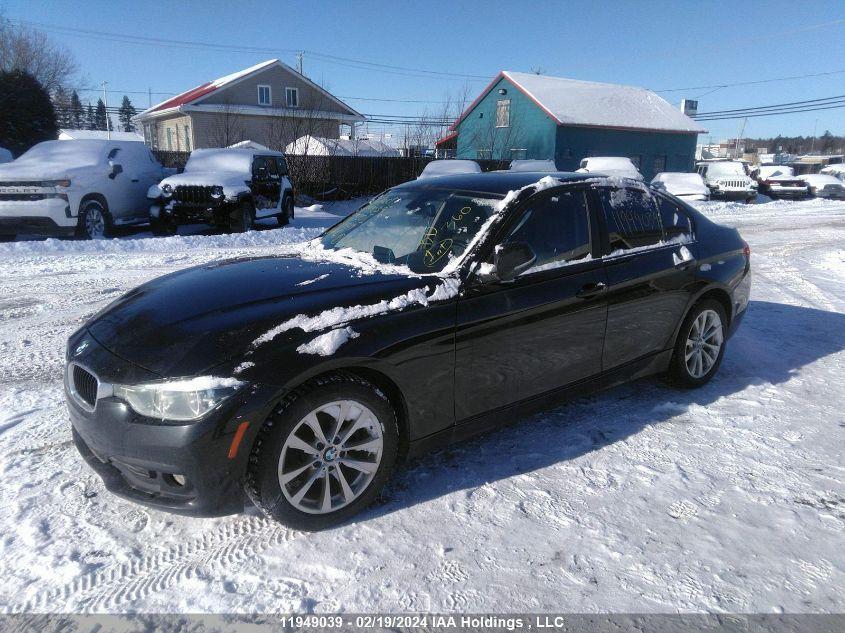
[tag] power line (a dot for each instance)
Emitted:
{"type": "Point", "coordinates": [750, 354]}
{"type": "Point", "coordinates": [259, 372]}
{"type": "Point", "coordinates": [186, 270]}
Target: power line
{"type": "Point", "coordinates": [750, 83]}
{"type": "Point", "coordinates": [777, 112]}
{"type": "Point", "coordinates": [776, 105]}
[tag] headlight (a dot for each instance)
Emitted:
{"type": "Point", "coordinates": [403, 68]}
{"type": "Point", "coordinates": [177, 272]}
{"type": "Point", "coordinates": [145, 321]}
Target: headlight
{"type": "Point", "coordinates": [56, 183]}
{"type": "Point", "coordinates": [217, 191]}
{"type": "Point", "coordinates": [179, 400]}
{"type": "Point", "coordinates": [166, 190]}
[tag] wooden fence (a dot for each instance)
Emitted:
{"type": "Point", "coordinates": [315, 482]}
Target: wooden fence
{"type": "Point", "coordinates": [339, 177]}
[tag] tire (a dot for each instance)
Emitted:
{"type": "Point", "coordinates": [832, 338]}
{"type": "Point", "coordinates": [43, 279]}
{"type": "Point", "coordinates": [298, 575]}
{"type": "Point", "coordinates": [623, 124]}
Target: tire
{"type": "Point", "coordinates": [277, 449]}
{"type": "Point", "coordinates": [686, 372]}
{"type": "Point", "coordinates": [163, 227]}
{"type": "Point", "coordinates": [287, 211]}
{"type": "Point", "coordinates": [242, 217]}
{"type": "Point", "coordinates": [94, 221]}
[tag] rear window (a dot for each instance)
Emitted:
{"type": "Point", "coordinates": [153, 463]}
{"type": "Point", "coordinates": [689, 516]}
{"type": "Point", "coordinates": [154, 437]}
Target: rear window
{"type": "Point", "coordinates": [631, 218]}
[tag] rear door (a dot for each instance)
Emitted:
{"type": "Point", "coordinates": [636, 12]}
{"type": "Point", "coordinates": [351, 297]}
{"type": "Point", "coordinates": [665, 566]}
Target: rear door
{"type": "Point", "coordinates": [544, 329]}
{"type": "Point", "coordinates": [650, 273]}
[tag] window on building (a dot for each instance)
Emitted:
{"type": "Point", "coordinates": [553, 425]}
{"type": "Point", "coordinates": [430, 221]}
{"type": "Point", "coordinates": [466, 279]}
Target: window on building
{"type": "Point", "coordinates": [169, 139]}
{"type": "Point", "coordinates": [264, 96]}
{"type": "Point", "coordinates": [187, 138]}
{"type": "Point", "coordinates": [631, 217]}
{"type": "Point", "coordinates": [503, 113]}
{"type": "Point", "coordinates": [659, 164]}
{"type": "Point", "coordinates": [292, 97]}
{"type": "Point", "coordinates": [675, 221]}
{"type": "Point", "coordinates": [518, 153]}
{"type": "Point", "coordinates": [557, 228]}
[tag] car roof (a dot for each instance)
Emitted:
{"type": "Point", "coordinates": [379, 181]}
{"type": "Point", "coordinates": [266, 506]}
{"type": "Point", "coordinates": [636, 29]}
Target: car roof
{"type": "Point", "coordinates": [495, 182]}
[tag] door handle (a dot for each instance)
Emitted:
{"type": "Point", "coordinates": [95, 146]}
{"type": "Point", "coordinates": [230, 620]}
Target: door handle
{"type": "Point", "coordinates": [135, 180]}
{"type": "Point", "coordinates": [591, 290]}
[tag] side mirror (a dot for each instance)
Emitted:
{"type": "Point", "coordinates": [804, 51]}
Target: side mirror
{"type": "Point", "coordinates": [513, 259]}
{"type": "Point", "coordinates": [116, 169]}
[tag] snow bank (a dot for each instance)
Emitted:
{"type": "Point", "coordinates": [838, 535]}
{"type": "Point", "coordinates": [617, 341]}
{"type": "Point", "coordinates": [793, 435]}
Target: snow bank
{"type": "Point", "coordinates": [449, 167]}
{"type": "Point", "coordinates": [328, 343]}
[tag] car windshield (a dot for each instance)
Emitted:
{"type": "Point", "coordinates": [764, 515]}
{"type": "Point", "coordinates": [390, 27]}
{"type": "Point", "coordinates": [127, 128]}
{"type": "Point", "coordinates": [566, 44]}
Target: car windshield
{"type": "Point", "coordinates": [421, 228]}
{"type": "Point", "coordinates": [726, 169]}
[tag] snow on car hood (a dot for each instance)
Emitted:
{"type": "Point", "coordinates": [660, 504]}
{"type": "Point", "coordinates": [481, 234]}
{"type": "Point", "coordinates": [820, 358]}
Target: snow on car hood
{"type": "Point", "coordinates": [233, 183]}
{"type": "Point", "coordinates": [680, 184]}
{"type": "Point", "coordinates": [185, 322]}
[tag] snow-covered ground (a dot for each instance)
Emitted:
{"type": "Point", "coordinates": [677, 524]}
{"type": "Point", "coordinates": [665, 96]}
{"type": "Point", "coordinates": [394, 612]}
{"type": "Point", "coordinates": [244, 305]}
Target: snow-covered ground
{"type": "Point", "coordinates": [643, 498]}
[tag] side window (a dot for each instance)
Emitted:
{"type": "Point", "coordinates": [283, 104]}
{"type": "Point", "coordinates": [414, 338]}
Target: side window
{"type": "Point", "coordinates": [675, 221]}
{"type": "Point", "coordinates": [283, 166]}
{"type": "Point", "coordinates": [259, 168]}
{"type": "Point", "coordinates": [113, 153]}
{"type": "Point", "coordinates": [631, 218]}
{"type": "Point", "coordinates": [273, 166]}
{"type": "Point", "coordinates": [557, 228]}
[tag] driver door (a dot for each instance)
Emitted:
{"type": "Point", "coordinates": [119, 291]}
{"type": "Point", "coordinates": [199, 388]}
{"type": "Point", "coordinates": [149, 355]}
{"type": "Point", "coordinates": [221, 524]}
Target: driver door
{"type": "Point", "coordinates": [543, 330]}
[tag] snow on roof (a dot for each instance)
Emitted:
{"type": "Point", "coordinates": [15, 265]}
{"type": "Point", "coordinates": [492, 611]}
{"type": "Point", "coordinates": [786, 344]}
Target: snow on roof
{"type": "Point", "coordinates": [533, 165]}
{"type": "Point", "coordinates": [593, 104]}
{"type": "Point", "coordinates": [449, 167]}
{"type": "Point", "coordinates": [249, 145]}
{"type": "Point", "coordinates": [98, 135]}
{"type": "Point", "coordinates": [319, 146]}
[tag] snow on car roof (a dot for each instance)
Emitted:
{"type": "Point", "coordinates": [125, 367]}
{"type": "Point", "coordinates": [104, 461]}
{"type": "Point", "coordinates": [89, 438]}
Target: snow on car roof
{"type": "Point", "coordinates": [818, 180]}
{"type": "Point", "coordinates": [54, 158]}
{"type": "Point", "coordinates": [533, 165]}
{"type": "Point", "coordinates": [224, 160]}
{"type": "Point", "coordinates": [574, 102]}
{"type": "Point", "coordinates": [449, 167]}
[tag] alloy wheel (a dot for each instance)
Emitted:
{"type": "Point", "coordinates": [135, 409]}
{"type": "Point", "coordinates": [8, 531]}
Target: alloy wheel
{"type": "Point", "coordinates": [330, 457]}
{"type": "Point", "coordinates": [704, 342]}
{"type": "Point", "coordinates": [95, 221]}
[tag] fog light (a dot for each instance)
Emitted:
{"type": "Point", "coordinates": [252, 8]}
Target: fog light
{"type": "Point", "coordinates": [180, 479]}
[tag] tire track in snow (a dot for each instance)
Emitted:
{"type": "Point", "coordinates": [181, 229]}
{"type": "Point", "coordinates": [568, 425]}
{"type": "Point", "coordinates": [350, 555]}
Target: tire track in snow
{"type": "Point", "coordinates": [230, 544]}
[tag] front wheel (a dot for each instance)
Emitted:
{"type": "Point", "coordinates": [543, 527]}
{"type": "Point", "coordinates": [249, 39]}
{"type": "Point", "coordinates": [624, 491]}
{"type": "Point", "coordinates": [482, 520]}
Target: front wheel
{"type": "Point", "coordinates": [700, 345]}
{"type": "Point", "coordinates": [94, 221]}
{"type": "Point", "coordinates": [242, 218]}
{"type": "Point", "coordinates": [163, 226]}
{"type": "Point", "coordinates": [324, 454]}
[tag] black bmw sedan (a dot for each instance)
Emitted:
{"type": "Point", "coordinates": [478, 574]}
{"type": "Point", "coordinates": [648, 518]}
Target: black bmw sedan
{"type": "Point", "coordinates": [441, 309]}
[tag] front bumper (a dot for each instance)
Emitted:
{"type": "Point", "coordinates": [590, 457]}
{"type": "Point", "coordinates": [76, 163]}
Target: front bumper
{"type": "Point", "coordinates": [184, 213]}
{"type": "Point", "coordinates": [50, 216]}
{"type": "Point", "coordinates": [137, 458]}
{"type": "Point", "coordinates": [733, 194]}
{"type": "Point", "coordinates": [787, 192]}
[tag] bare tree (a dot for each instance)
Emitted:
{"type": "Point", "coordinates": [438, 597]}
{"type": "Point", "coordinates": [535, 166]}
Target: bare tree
{"type": "Point", "coordinates": [30, 50]}
{"type": "Point", "coordinates": [499, 135]}
{"type": "Point", "coordinates": [227, 127]}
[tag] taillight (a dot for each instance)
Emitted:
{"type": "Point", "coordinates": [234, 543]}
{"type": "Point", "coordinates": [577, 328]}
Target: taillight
{"type": "Point", "coordinates": [746, 249]}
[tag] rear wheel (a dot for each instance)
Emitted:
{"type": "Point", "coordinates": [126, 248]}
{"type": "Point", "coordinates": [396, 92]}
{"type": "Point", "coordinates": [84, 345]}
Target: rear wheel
{"type": "Point", "coordinates": [287, 211]}
{"type": "Point", "coordinates": [242, 218]}
{"type": "Point", "coordinates": [324, 454]}
{"type": "Point", "coordinates": [94, 221]}
{"type": "Point", "coordinates": [700, 345]}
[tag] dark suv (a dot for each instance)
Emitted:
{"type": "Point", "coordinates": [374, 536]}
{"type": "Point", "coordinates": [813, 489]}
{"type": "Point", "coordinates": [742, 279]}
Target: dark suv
{"type": "Point", "coordinates": [442, 308]}
{"type": "Point", "coordinates": [229, 188]}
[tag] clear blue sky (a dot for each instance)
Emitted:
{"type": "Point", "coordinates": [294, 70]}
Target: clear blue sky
{"type": "Point", "coordinates": [658, 45]}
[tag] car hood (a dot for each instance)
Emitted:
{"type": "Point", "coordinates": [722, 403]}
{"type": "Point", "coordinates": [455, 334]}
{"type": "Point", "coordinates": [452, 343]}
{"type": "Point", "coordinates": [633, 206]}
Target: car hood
{"type": "Point", "coordinates": [186, 322]}
{"type": "Point", "coordinates": [223, 178]}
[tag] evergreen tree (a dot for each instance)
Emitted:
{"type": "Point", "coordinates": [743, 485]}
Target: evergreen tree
{"type": "Point", "coordinates": [77, 114]}
{"type": "Point", "coordinates": [61, 104]}
{"type": "Point", "coordinates": [125, 114]}
{"type": "Point", "coordinates": [27, 116]}
{"type": "Point", "coordinates": [89, 117]}
{"type": "Point", "coordinates": [100, 116]}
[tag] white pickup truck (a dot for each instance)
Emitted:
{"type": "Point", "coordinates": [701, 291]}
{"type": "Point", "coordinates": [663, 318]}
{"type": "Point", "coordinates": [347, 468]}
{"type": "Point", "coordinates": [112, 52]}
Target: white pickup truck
{"type": "Point", "coordinates": [82, 188]}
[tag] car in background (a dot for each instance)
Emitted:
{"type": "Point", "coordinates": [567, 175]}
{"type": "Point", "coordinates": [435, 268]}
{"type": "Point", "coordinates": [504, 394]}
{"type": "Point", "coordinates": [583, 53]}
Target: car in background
{"type": "Point", "coordinates": [448, 167]}
{"type": "Point", "coordinates": [728, 179]}
{"type": "Point", "coordinates": [824, 186]}
{"type": "Point", "coordinates": [84, 187]}
{"type": "Point", "coordinates": [228, 188]}
{"type": "Point", "coordinates": [837, 171]}
{"type": "Point", "coordinates": [535, 165]}
{"type": "Point", "coordinates": [297, 382]}
{"type": "Point", "coordinates": [5, 155]}
{"type": "Point", "coordinates": [611, 166]}
{"type": "Point", "coordinates": [682, 185]}
{"type": "Point", "coordinates": [779, 181]}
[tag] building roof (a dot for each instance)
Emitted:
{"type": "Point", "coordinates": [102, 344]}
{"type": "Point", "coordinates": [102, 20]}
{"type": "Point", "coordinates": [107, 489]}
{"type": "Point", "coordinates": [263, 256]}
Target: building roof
{"type": "Point", "coordinates": [98, 135]}
{"type": "Point", "coordinates": [320, 146]}
{"type": "Point", "coordinates": [593, 104]}
{"type": "Point", "coordinates": [198, 93]}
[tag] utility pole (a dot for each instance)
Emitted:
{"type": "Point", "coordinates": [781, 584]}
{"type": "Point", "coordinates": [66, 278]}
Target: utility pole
{"type": "Point", "coordinates": [106, 102]}
{"type": "Point", "coordinates": [815, 128]}
{"type": "Point", "coordinates": [299, 60]}
{"type": "Point", "coordinates": [741, 130]}
{"type": "Point", "coordinates": [150, 97]}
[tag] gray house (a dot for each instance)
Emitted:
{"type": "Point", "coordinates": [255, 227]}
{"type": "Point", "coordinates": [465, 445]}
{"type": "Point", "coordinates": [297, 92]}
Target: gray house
{"type": "Point", "coordinates": [269, 103]}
